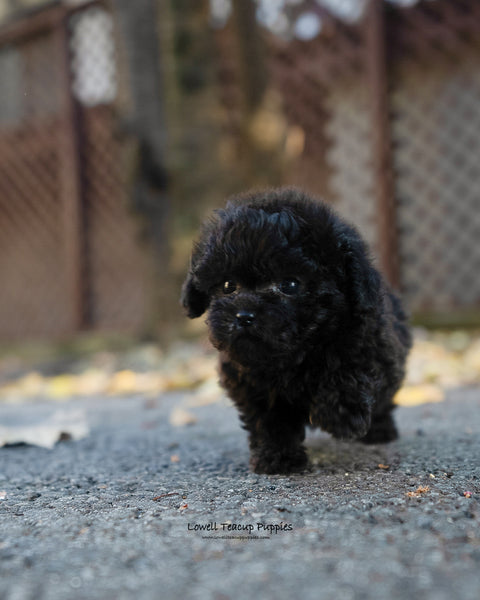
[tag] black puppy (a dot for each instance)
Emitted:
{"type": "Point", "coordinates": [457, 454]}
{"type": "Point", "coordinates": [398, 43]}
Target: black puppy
{"type": "Point", "coordinates": [308, 331]}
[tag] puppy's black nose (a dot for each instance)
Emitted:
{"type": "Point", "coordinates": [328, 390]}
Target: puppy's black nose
{"type": "Point", "coordinates": [245, 318]}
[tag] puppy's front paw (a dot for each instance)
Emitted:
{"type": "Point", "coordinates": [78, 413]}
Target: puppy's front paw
{"type": "Point", "coordinates": [271, 463]}
{"type": "Point", "coordinates": [382, 430]}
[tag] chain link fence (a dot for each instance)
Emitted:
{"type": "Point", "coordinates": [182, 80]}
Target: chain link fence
{"type": "Point", "coordinates": [378, 112]}
{"type": "Point", "coordinates": [389, 107]}
{"type": "Point", "coordinates": [435, 103]}
{"type": "Point", "coordinates": [69, 257]}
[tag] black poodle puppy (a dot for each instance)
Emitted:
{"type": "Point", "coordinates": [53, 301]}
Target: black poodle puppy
{"type": "Point", "coordinates": [308, 331]}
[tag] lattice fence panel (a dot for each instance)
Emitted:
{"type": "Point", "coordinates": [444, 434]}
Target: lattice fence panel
{"type": "Point", "coordinates": [115, 263]}
{"type": "Point", "coordinates": [436, 124]}
{"type": "Point", "coordinates": [325, 92]}
{"type": "Point", "coordinates": [33, 299]}
{"type": "Point", "coordinates": [350, 157]}
{"type": "Point", "coordinates": [69, 252]}
{"type": "Point", "coordinates": [422, 95]}
{"type": "Point", "coordinates": [300, 88]}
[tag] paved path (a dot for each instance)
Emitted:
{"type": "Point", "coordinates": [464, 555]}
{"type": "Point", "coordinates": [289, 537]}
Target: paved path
{"type": "Point", "coordinates": [141, 509]}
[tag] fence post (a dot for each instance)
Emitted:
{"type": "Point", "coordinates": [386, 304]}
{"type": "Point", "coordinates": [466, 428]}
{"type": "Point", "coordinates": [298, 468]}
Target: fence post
{"type": "Point", "coordinates": [70, 185]}
{"type": "Point", "coordinates": [377, 74]}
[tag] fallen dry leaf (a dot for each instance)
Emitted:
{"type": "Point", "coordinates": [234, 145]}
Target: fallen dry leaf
{"type": "Point", "coordinates": [32, 384]}
{"type": "Point", "coordinates": [157, 498]}
{"type": "Point", "coordinates": [422, 489]}
{"type": "Point", "coordinates": [179, 417]}
{"type": "Point", "coordinates": [91, 382]}
{"type": "Point", "coordinates": [62, 424]}
{"type": "Point", "coordinates": [61, 386]}
{"type": "Point", "coordinates": [123, 382]}
{"type": "Point", "coordinates": [413, 395]}
{"type": "Point", "coordinates": [209, 392]}
{"type": "Point", "coordinates": [182, 380]}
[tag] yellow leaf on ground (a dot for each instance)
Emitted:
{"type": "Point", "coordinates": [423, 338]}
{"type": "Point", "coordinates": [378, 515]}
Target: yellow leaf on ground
{"type": "Point", "coordinates": [32, 384]}
{"type": "Point", "coordinates": [422, 489]}
{"type": "Point", "coordinates": [92, 382]}
{"type": "Point", "coordinates": [61, 386]}
{"type": "Point", "coordinates": [179, 417]}
{"type": "Point", "coordinates": [179, 381]}
{"type": "Point", "coordinates": [123, 382]}
{"type": "Point", "coordinates": [150, 383]}
{"type": "Point", "coordinates": [208, 392]}
{"type": "Point", "coordinates": [414, 395]}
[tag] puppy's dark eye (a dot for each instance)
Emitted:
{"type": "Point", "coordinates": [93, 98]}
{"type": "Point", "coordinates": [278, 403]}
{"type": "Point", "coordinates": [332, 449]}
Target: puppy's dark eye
{"type": "Point", "coordinates": [229, 287]}
{"type": "Point", "coordinates": [290, 287]}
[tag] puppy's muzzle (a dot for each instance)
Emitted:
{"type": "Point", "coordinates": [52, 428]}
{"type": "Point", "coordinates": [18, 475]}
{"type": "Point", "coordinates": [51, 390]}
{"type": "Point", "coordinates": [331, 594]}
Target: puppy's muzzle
{"type": "Point", "coordinates": [245, 318]}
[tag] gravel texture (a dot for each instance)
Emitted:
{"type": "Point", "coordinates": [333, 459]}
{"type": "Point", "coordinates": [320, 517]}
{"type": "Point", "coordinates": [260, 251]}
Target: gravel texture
{"type": "Point", "coordinates": [142, 508]}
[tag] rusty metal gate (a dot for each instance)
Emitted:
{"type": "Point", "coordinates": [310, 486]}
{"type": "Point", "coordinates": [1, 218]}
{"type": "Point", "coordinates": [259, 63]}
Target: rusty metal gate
{"type": "Point", "coordinates": [69, 259]}
{"type": "Point", "coordinates": [389, 105]}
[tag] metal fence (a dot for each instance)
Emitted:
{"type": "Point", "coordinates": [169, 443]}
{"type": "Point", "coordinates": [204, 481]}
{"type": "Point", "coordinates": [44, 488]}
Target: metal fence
{"type": "Point", "coordinates": [389, 106]}
{"type": "Point", "coordinates": [386, 110]}
{"type": "Point", "coordinates": [68, 253]}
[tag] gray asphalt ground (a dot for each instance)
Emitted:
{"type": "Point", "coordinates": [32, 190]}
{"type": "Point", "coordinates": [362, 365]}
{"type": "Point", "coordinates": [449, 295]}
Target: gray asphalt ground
{"type": "Point", "coordinates": [120, 513]}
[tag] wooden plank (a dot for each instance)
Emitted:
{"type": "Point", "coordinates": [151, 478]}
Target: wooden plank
{"type": "Point", "coordinates": [30, 25]}
{"type": "Point", "coordinates": [40, 20]}
{"type": "Point", "coordinates": [71, 188]}
{"type": "Point", "coordinates": [382, 149]}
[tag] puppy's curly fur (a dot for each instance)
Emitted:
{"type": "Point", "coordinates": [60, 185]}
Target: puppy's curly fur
{"type": "Point", "coordinates": [308, 331]}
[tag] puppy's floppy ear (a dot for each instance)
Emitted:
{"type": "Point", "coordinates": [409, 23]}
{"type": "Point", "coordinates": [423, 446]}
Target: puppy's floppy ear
{"type": "Point", "coordinates": [203, 272]}
{"type": "Point", "coordinates": [363, 282]}
{"type": "Point", "coordinates": [192, 298]}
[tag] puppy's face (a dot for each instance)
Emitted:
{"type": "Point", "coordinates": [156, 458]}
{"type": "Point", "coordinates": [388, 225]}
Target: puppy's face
{"type": "Point", "coordinates": [266, 294]}
{"type": "Point", "coordinates": [257, 320]}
